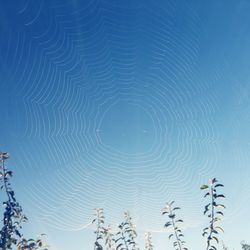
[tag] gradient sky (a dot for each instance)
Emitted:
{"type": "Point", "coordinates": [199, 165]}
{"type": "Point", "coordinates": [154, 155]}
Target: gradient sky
{"type": "Point", "coordinates": [126, 105]}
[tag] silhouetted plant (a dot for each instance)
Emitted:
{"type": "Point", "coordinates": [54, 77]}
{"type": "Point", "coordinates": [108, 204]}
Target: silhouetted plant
{"type": "Point", "coordinates": [121, 240]}
{"type": "Point", "coordinates": [13, 217]}
{"type": "Point", "coordinates": [131, 231]}
{"type": "Point", "coordinates": [109, 238]}
{"type": "Point", "coordinates": [127, 234]}
{"type": "Point", "coordinates": [99, 220]}
{"type": "Point", "coordinates": [148, 241]}
{"type": "Point", "coordinates": [173, 223]}
{"type": "Point", "coordinates": [214, 213]}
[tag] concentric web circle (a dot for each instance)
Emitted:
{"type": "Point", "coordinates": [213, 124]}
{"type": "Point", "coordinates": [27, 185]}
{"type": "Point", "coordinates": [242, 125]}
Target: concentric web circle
{"type": "Point", "coordinates": [112, 112]}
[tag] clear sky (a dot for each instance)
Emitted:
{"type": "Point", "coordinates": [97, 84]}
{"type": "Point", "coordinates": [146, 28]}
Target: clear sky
{"type": "Point", "coordinates": [126, 105]}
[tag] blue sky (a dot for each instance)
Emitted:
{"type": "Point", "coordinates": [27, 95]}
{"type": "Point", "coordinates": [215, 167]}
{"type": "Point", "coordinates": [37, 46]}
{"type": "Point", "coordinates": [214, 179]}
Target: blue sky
{"type": "Point", "coordinates": [125, 106]}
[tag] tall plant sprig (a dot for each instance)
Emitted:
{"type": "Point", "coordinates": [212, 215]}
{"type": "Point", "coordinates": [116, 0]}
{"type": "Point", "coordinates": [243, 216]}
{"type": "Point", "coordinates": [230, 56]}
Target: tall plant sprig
{"type": "Point", "coordinates": [213, 210]}
{"type": "Point", "coordinates": [173, 222]}
{"type": "Point", "coordinates": [99, 232]}
{"type": "Point", "coordinates": [148, 241]}
{"type": "Point", "coordinates": [109, 238]}
{"type": "Point", "coordinates": [13, 217]}
{"type": "Point", "coordinates": [131, 231]}
{"type": "Point", "coordinates": [126, 236]}
{"type": "Point", "coordinates": [121, 240]}
{"type": "Point", "coordinates": [13, 214]}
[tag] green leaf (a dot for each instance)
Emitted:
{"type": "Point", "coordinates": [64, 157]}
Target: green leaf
{"type": "Point", "coordinates": [204, 187]}
{"type": "Point", "coordinates": [216, 239]}
{"type": "Point", "coordinates": [221, 229]}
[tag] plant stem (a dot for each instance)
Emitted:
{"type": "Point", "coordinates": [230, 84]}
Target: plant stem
{"type": "Point", "coordinates": [98, 229]}
{"type": "Point", "coordinates": [175, 232]}
{"type": "Point", "coordinates": [124, 239]}
{"type": "Point", "coordinates": [212, 219]}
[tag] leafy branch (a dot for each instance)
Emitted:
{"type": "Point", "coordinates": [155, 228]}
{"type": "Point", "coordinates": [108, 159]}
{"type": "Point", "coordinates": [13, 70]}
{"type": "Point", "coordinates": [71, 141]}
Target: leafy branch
{"type": "Point", "coordinates": [127, 234]}
{"type": "Point", "coordinates": [32, 244]}
{"type": "Point", "coordinates": [213, 212]}
{"type": "Point", "coordinates": [109, 238]}
{"type": "Point", "coordinates": [99, 219]}
{"type": "Point", "coordinates": [13, 217]}
{"type": "Point", "coordinates": [173, 222]}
